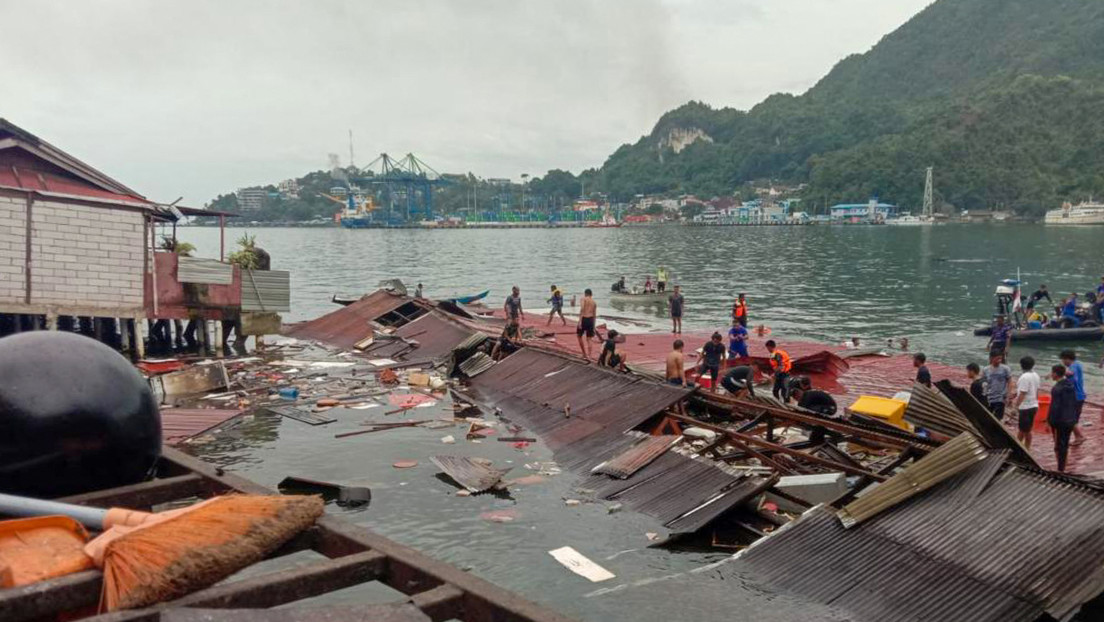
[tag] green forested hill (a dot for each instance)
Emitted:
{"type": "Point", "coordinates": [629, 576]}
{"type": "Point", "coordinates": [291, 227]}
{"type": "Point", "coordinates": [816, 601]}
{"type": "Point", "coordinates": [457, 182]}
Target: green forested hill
{"type": "Point", "coordinates": [1003, 97]}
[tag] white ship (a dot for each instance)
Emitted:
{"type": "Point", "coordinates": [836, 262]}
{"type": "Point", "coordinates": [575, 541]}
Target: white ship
{"type": "Point", "coordinates": [1089, 213]}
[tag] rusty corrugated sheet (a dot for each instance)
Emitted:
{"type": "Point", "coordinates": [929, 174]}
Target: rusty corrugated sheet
{"type": "Point", "coordinates": [348, 325]}
{"type": "Point", "coordinates": [640, 455]}
{"type": "Point", "coordinates": [953, 457]}
{"type": "Point", "coordinates": [200, 270]}
{"type": "Point", "coordinates": [1007, 546]}
{"type": "Point", "coordinates": [930, 409]}
{"type": "Point", "coordinates": [991, 432]}
{"type": "Point", "coordinates": [536, 387]}
{"type": "Point", "coordinates": [180, 424]}
{"type": "Point", "coordinates": [428, 338]}
{"type": "Point", "coordinates": [266, 290]}
{"type": "Point", "coordinates": [469, 473]}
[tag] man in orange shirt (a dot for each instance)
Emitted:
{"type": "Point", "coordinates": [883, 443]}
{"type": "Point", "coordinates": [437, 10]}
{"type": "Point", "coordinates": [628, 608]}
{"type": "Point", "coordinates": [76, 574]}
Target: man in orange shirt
{"type": "Point", "coordinates": [739, 311]}
{"type": "Point", "coordinates": [781, 365]}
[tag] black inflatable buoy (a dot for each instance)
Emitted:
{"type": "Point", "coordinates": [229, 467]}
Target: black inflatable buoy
{"type": "Point", "coordinates": [75, 416]}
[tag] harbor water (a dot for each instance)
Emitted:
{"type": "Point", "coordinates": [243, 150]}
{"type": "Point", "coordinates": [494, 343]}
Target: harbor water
{"type": "Point", "coordinates": [930, 284]}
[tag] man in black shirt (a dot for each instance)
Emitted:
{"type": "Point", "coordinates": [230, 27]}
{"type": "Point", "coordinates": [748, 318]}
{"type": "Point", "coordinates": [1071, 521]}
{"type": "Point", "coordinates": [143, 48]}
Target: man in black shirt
{"type": "Point", "coordinates": [1038, 295]}
{"type": "Point", "coordinates": [713, 353]}
{"type": "Point", "coordinates": [977, 383]}
{"type": "Point", "coordinates": [923, 376]}
{"type": "Point", "coordinates": [609, 356]}
{"type": "Point", "coordinates": [740, 380]}
{"type": "Point", "coordinates": [813, 399]}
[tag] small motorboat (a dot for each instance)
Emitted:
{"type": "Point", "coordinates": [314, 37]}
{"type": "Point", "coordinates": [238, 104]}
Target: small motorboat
{"type": "Point", "coordinates": [639, 298]}
{"type": "Point", "coordinates": [1080, 333]}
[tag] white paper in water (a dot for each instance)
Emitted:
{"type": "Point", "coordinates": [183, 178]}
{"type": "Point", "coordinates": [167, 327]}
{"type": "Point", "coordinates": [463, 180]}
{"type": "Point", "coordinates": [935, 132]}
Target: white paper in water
{"type": "Point", "coordinates": [575, 562]}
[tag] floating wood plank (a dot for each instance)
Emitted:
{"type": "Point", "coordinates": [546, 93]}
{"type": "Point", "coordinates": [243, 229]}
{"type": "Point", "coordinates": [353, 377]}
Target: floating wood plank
{"type": "Point", "coordinates": [300, 414]}
{"type": "Point", "coordinates": [352, 496]}
{"type": "Point", "coordinates": [575, 562]}
{"type": "Point", "coordinates": [472, 475]}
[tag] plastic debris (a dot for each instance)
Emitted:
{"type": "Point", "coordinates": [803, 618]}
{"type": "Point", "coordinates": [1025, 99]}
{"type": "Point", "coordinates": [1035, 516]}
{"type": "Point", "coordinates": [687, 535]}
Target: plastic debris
{"type": "Point", "coordinates": [580, 565]}
{"type": "Point", "coordinates": [448, 440]}
{"type": "Point", "coordinates": [405, 464]}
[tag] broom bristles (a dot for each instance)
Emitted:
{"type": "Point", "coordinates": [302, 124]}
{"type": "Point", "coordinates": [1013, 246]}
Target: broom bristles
{"type": "Point", "coordinates": [200, 547]}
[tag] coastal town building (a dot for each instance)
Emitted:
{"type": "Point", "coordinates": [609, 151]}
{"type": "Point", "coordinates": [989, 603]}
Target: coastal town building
{"type": "Point", "coordinates": [251, 199]}
{"type": "Point", "coordinates": [289, 189]}
{"type": "Point", "coordinates": [871, 211]}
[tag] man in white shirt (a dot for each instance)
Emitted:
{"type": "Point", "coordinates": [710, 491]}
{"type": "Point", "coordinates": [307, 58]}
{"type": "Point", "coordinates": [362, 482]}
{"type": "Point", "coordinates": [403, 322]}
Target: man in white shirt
{"type": "Point", "coordinates": [1027, 399]}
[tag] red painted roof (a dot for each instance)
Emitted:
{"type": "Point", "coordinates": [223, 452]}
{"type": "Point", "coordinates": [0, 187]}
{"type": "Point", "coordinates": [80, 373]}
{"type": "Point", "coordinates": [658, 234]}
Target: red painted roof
{"type": "Point", "coordinates": [179, 424]}
{"type": "Point", "coordinates": [27, 179]}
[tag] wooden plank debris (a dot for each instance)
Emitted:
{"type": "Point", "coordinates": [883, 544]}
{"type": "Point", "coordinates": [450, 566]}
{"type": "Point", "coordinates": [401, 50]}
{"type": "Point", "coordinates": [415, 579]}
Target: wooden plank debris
{"type": "Point", "coordinates": [300, 414]}
{"type": "Point", "coordinates": [475, 476]}
{"type": "Point", "coordinates": [575, 562]}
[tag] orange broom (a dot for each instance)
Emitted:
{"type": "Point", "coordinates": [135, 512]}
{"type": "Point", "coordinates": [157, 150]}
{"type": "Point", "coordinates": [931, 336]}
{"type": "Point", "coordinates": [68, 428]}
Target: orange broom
{"type": "Point", "coordinates": [149, 558]}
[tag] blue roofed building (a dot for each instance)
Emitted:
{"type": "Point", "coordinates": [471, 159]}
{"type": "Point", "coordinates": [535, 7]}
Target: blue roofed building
{"type": "Point", "coordinates": [869, 212]}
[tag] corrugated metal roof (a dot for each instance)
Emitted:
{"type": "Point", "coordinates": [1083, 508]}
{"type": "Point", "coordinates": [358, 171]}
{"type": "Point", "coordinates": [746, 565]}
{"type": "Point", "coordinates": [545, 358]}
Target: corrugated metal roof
{"type": "Point", "coordinates": [208, 271]}
{"type": "Point", "coordinates": [348, 325]}
{"type": "Point", "coordinates": [428, 338]}
{"type": "Point", "coordinates": [953, 457]}
{"type": "Point", "coordinates": [476, 364]}
{"type": "Point", "coordinates": [930, 409]}
{"type": "Point", "coordinates": [983, 546]}
{"type": "Point", "coordinates": [640, 455]}
{"type": "Point", "coordinates": [266, 290]}
{"type": "Point", "coordinates": [536, 387]}
{"type": "Point", "coordinates": [988, 428]}
{"type": "Point", "coordinates": [472, 475]}
{"type": "Point", "coordinates": [180, 424]}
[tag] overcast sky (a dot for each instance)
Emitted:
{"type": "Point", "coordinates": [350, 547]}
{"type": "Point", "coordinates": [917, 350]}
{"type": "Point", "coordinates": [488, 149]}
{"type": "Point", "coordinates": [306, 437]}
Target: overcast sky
{"type": "Point", "coordinates": [197, 98]}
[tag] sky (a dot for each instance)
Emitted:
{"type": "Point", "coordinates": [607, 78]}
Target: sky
{"type": "Point", "coordinates": [198, 98]}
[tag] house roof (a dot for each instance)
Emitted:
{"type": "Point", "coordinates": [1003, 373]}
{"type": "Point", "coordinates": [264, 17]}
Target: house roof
{"type": "Point", "coordinates": [29, 163]}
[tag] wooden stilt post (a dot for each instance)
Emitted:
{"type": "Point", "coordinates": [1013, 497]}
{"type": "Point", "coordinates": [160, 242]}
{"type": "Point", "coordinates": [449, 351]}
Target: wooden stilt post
{"type": "Point", "coordinates": [218, 338]}
{"type": "Point", "coordinates": [51, 320]}
{"type": "Point", "coordinates": [139, 340]}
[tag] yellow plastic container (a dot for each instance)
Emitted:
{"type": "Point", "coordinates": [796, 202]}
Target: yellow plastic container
{"type": "Point", "coordinates": [888, 410]}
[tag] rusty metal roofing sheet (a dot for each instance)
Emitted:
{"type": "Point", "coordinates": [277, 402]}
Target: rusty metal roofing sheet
{"type": "Point", "coordinates": [948, 460]}
{"type": "Point", "coordinates": [427, 338]}
{"type": "Point", "coordinates": [348, 325]}
{"type": "Point", "coordinates": [1011, 546]}
{"type": "Point", "coordinates": [640, 455]}
{"type": "Point", "coordinates": [476, 364]}
{"type": "Point", "coordinates": [266, 290]}
{"type": "Point", "coordinates": [468, 472]}
{"type": "Point", "coordinates": [930, 409]}
{"type": "Point", "coordinates": [180, 424]}
{"type": "Point", "coordinates": [199, 270]}
{"type": "Point", "coordinates": [988, 428]}
{"type": "Point", "coordinates": [537, 388]}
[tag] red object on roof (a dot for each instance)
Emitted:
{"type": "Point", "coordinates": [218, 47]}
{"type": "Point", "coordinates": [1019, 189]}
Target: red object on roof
{"type": "Point", "coordinates": [27, 179]}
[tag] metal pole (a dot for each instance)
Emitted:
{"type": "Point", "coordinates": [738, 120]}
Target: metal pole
{"type": "Point", "coordinates": [222, 237]}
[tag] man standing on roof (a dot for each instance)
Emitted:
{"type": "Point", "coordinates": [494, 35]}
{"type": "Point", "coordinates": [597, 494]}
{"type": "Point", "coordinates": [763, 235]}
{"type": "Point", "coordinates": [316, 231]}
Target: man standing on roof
{"type": "Point", "coordinates": [780, 366]}
{"type": "Point", "coordinates": [1077, 379]}
{"type": "Point", "coordinates": [1062, 416]}
{"type": "Point", "coordinates": [418, 291]}
{"type": "Point", "coordinates": [512, 306]}
{"type": "Point", "coordinates": [737, 341]}
{"type": "Point", "coordinates": [676, 365]}
{"type": "Point", "coordinates": [712, 354]}
{"type": "Point", "coordinates": [997, 381]}
{"type": "Point", "coordinates": [923, 376]}
{"type": "Point", "coordinates": [1027, 400]}
{"type": "Point", "coordinates": [588, 318]}
{"type": "Point", "coordinates": [676, 303]}
{"type": "Point", "coordinates": [739, 310]}
{"type": "Point", "coordinates": [557, 306]}
{"type": "Point", "coordinates": [661, 279]}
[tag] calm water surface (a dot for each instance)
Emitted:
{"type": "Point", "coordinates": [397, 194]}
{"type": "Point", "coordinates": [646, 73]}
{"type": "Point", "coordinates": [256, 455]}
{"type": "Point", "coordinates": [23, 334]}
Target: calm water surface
{"type": "Point", "coordinates": [932, 285]}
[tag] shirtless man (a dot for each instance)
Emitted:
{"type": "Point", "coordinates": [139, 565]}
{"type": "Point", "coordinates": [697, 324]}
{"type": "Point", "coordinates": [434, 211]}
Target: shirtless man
{"type": "Point", "coordinates": [675, 361]}
{"type": "Point", "coordinates": [588, 318]}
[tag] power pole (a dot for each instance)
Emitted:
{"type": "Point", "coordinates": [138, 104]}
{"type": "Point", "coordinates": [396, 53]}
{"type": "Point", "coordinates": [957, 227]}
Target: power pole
{"type": "Point", "coordinates": [928, 210]}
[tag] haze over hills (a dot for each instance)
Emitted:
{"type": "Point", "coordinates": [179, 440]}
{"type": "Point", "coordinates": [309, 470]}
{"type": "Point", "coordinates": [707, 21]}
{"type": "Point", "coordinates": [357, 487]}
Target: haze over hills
{"type": "Point", "coordinates": [1001, 96]}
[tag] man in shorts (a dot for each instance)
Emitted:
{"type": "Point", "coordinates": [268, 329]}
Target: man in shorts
{"type": "Point", "coordinates": [1027, 400]}
{"type": "Point", "coordinates": [557, 306]}
{"type": "Point", "coordinates": [713, 353]}
{"type": "Point", "coordinates": [675, 365]}
{"type": "Point", "coordinates": [737, 341]}
{"type": "Point", "coordinates": [508, 342]}
{"type": "Point", "coordinates": [588, 318]}
{"type": "Point", "coordinates": [609, 356]}
{"type": "Point", "coordinates": [676, 304]}
{"type": "Point", "coordinates": [998, 378]}
{"type": "Point", "coordinates": [512, 306]}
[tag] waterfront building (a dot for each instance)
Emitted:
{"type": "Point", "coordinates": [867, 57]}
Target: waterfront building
{"type": "Point", "coordinates": [251, 199]}
{"type": "Point", "coordinates": [871, 211]}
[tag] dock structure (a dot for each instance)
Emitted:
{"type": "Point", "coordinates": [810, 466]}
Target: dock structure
{"type": "Point", "coordinates": [80, 251]}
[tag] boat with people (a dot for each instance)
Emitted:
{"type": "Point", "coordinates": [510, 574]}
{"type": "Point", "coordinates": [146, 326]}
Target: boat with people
{"type": "Point", "coordinates": [1084, 213]}
{"type": "Point", "coordinates": [908, 220]}
{"type": "Point", "coordinates": [1030, 324]}
{"type": "Point", "coordinates": [648, 294]}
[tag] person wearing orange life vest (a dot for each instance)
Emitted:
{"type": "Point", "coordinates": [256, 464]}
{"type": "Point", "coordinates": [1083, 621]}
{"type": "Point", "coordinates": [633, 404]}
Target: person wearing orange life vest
{"type": "Point", "coordinates": [780, 366]}
{"type": "Point", "coordinates": [739, 311]}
